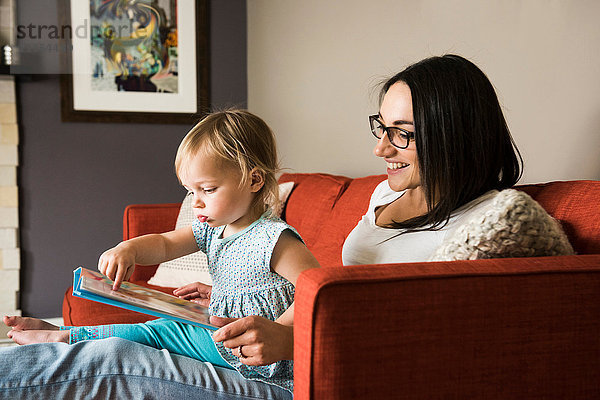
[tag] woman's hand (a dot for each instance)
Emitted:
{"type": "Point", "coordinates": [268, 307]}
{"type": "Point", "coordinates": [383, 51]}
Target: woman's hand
{"type": "Point", "coordinates": [196, 292]}
{"type": "Point", "coordinates": [263, 341]}
{"type": "Point", "coordinates": [118, 263]}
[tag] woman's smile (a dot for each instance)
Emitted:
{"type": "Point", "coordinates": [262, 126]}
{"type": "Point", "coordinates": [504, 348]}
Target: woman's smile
{"type": "Point", "coordinates": [394, 167]}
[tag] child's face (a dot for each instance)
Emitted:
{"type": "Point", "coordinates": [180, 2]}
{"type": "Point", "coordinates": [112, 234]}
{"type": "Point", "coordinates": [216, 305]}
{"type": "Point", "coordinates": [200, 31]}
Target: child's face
{"type": "Point", "coordinates": [219, 199]}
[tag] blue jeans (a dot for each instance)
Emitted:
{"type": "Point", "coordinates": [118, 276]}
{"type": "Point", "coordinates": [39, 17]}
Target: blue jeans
{"type": "Point", "coordinates": [115, 368]}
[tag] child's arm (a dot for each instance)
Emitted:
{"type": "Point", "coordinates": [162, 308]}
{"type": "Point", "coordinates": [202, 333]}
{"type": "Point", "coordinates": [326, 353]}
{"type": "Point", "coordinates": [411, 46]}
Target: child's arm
{"type": "Point", "coordinates": [290, 257]}
{"type": "Point", "coordinates": [119, 262]}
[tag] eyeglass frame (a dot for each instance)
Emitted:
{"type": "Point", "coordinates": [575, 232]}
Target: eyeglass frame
{"type": "Point", "coordinates": [386, 130]}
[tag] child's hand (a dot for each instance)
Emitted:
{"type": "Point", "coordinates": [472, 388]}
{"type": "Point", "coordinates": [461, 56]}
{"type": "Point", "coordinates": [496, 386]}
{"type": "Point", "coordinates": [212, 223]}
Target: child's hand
{"type": "Point", "coordinates": [196, 292]}
{"type": "Point", "coordinates": [118, 263]}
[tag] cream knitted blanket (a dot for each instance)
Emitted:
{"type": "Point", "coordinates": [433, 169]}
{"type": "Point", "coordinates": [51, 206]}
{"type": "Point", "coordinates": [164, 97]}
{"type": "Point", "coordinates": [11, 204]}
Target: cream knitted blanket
{"type": "Point", "coordinates": [514, 225]}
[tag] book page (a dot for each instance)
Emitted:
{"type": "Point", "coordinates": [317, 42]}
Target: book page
{"type": "Point", "coordinates": [143, 297]}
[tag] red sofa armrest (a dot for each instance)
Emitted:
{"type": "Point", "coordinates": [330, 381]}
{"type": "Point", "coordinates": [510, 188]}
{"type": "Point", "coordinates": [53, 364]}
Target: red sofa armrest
{"type": "Point", "coordinates": [502, 328]}
{"type": "Point", "coordinates": [142, 219]}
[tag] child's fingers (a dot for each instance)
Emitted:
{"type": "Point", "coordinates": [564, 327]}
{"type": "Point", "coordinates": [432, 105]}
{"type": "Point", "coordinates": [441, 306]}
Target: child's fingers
{"type": "Point", "coordinates": [110, 270]}
{"type": "Point", "coordinates": [189, 295]}
{"type": "Point", "coordinates": [117, 282]}
{"type": "Point", "coordinates": [113, 274]}
{"type": "Point", "coordinates": [120, 276]}
{"type": "Point", "coordinates": [200, 285]}
{"type": "Point", "coordinates": [195, 295]}
{"type": "Point", "coordinates": [183, 290]}
{"type": "Point", "coordinates": [202, 302]}
{"type": "Point", "coordinates": [189, 288]}
{"type": "Point", "coordinates": [129, 273]}
{"type": "Point", "coordinates": [102, 265]}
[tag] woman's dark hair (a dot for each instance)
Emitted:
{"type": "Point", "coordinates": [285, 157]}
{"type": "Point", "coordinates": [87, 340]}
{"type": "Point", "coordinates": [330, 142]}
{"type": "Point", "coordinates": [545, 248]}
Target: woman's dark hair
{"type": "Point", "coordinates": [463, 143]}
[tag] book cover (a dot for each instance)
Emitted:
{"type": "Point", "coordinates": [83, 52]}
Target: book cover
{"type": "Point", "coordinates": [93, 285]}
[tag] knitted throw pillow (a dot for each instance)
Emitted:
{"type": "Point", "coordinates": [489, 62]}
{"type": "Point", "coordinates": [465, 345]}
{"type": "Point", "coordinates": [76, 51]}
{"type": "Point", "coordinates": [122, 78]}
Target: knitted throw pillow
{"type": "Point", "coordinates": [514, 225]}
{"type": "Point", "coordinates": [194, 267]}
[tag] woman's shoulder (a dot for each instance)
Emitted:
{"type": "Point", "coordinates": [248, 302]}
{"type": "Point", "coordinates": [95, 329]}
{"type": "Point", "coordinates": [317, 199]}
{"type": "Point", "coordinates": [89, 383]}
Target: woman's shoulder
{"type": "Point", "coordinates": [507, 204]}
{"type": "Point", "coordinates": [382, 189]}
{"type": "Point", "coordinates": [507, 223]}
{"type": "Point", "coordinates": [383, 194]}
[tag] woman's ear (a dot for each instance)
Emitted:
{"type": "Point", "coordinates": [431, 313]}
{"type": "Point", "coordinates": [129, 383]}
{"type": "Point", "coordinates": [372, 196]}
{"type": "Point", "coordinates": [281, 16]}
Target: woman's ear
{"type": "Point", "coordinates": [257, 180]}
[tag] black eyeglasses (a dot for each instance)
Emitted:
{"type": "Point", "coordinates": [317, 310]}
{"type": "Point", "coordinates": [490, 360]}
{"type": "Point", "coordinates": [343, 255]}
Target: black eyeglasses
{"type": "Point", "coordinates": [398, 137]}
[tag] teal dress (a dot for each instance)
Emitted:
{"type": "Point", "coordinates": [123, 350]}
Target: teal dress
{"type": "Point", "coordinates": [243, 284]}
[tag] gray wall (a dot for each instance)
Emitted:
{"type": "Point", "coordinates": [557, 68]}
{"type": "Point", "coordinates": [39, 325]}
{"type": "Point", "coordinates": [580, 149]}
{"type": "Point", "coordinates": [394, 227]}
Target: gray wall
{"type": "Point", "coordinates": [77, 178]}
{"type": "Point", "coordinates": [315, 83]}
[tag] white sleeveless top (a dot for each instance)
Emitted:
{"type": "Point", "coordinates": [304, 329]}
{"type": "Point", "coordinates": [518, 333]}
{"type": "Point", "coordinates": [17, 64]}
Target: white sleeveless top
{"type": "Point", "coordinates": [372, 244]}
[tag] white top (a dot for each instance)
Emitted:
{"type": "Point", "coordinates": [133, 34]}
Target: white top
{"type": "Point", "coordinates": [372, 244]}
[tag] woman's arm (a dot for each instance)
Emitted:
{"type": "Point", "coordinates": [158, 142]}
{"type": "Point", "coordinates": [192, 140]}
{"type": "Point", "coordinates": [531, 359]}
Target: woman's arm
{"type": "Point", "coordinates": [119, 262]}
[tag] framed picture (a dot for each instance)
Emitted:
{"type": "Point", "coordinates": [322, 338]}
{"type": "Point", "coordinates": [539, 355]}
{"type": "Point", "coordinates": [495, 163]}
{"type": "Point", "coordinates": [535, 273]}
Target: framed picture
{"type": "Point", "coordinates": [142, 61]}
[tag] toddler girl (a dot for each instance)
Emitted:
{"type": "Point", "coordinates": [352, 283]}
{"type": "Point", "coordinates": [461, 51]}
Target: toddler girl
{"type": "Point", "coordinates": [227, 162]}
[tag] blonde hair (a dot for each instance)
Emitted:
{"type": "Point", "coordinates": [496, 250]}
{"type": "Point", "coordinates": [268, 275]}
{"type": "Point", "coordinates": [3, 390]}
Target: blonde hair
{"type": "Point", "coordinates": [241, 139]}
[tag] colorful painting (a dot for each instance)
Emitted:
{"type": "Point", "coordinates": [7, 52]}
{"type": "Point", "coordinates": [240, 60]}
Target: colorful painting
{"type": "Point", "coordinates": [134, 45]}
{"type": "Point", "coordinates": [136, 61]}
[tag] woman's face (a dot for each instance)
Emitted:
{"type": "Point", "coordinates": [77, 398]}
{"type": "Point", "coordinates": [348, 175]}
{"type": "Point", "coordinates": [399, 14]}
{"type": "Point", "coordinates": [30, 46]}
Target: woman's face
{"type": "Point", "coordinates": [402, 164]}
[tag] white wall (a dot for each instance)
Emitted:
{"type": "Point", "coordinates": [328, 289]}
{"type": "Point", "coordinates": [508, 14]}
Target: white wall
{"type": "Point", "coordinates": [313, 67]}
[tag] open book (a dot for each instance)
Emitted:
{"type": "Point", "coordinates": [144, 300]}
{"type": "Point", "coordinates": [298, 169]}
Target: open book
{"type": "Point", "coordinates": [92, 285]}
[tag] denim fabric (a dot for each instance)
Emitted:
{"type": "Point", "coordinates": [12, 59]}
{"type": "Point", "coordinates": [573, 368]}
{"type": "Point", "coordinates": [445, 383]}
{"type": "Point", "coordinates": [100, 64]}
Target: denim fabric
{"type": "Point", "coordinates": [119, 369]}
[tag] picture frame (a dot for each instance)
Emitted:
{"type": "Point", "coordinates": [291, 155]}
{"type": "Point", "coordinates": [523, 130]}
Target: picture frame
{"type": "Point", "coordinates": [135, 62]}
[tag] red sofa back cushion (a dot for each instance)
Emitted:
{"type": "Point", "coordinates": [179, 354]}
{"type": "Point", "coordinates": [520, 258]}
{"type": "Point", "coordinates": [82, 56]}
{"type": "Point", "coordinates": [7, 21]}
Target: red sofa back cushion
{"type": "Point", "coordinates": [325, 208]}
{"type": "Point", "coordinates": [576, 204]}
{"type": "Point", "coordinates": [311, 201]}
{"type": "Point", "coordinates": [346, 213]}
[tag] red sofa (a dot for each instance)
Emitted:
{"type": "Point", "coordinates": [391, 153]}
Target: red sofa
{"type": "Point", "coordinates": [493, 329]}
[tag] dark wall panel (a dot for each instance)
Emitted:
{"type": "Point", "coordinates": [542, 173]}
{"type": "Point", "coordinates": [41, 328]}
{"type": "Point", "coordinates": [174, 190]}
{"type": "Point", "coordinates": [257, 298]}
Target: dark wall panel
{"type": "Point", "coordinates": [76, 178]}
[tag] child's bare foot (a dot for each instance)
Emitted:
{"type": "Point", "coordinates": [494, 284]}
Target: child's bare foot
{"type": "Point", "coordinates": [38, 336]}
{"type": "Point", "coordinates": [25, 324]}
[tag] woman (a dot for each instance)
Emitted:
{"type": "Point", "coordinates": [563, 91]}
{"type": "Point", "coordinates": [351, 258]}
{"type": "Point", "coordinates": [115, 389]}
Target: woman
{"type": "Point", "coordinates": [449, 155]}
{"type": "Point", "coordinates": [448, 151]}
